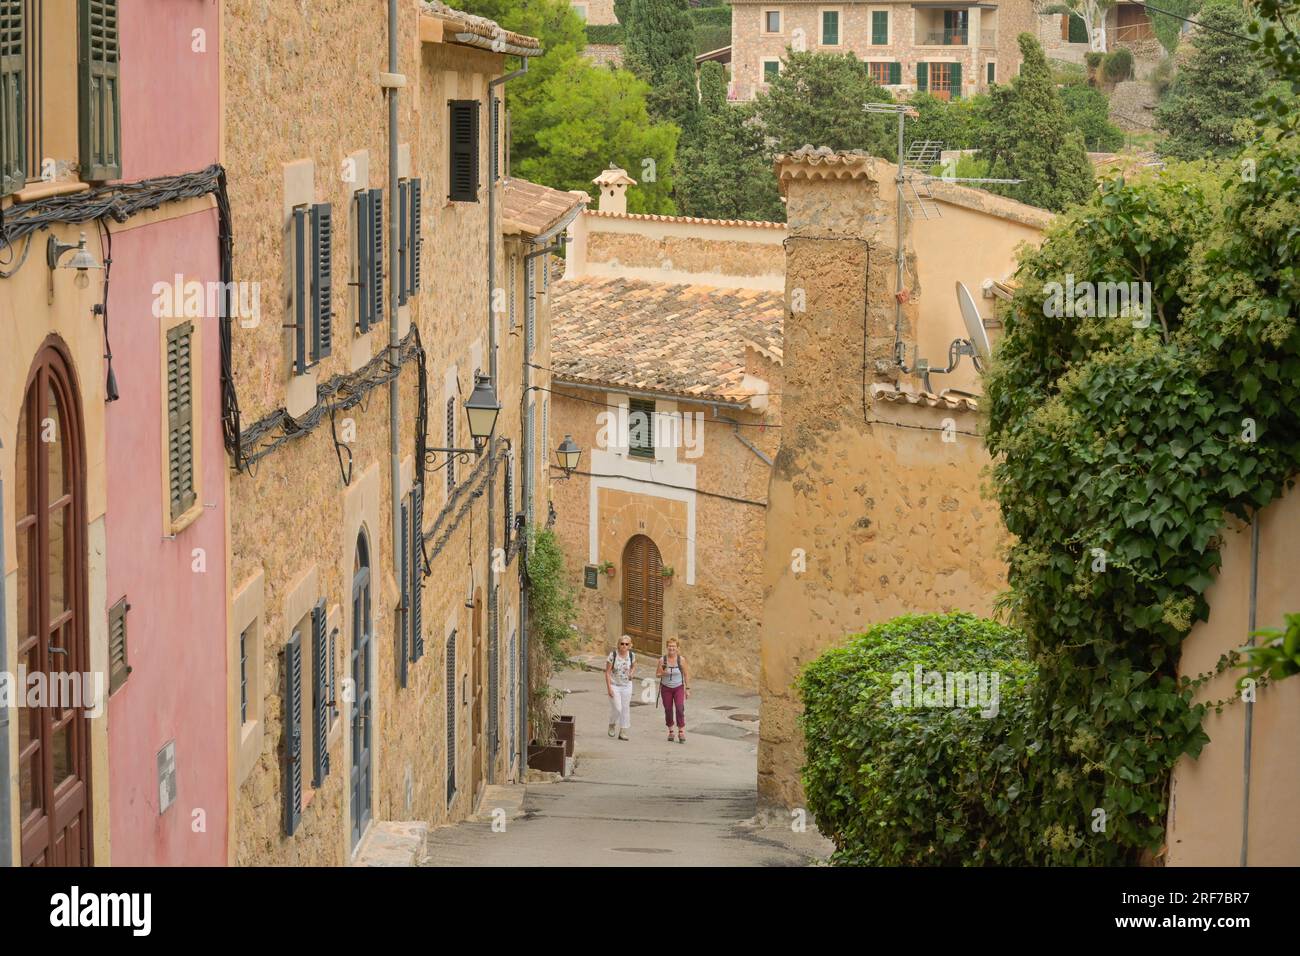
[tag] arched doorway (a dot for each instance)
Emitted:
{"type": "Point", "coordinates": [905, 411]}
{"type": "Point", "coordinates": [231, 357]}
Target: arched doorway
{"type": "Point", "coordinates": [643, 595]}
{"type": "Point", "coordinates": [478, 707]}
{"type": "Point", "coordinates": [53, 740]}
{"type": "Point", "coordinates": [362, 639]}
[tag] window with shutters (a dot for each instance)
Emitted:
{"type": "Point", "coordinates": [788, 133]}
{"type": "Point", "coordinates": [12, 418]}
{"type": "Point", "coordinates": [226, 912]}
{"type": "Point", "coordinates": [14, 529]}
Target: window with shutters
{"type": "Point", "coordinates": [416, 641]}
{"type": "Point", "coordinates": [530, 307]}
{"type": "Point", "coordinates": [509, 521]}
{"type": "Point", "coordinates": [513, 710]}
{"type": "Point", "coordinates": [545, 440]}
{"type": "Point", "coordinates": [409, 242]}
{"type": "Point", "coordinates": [451, 716]}
{"type": "Point", "coordinates": [879, 27]}
{"type": "Point", "coordinates": [530, 461]}
{"type": "Point", "coordinates": [312, 262]}
{"type": "Point", "coordinates": [247, 607]}
{"type": "Point", "coordinates": [369, 205]}
{"type": "Point", "coordinates": [451, 443]}
{"type": "Point", "coordinates": [886, 74]}
{"type": "Point", "coordinates": [118, 668]}
{"type": "Point", "coordinates": [830, 24]}
{"type": "Point", "coordinates": [640, 428]}
{"type": "Point", "coordinates": [320, 696]}
{"type": "Point", "coordinates": [99, 75]}
{"type": "Point", "coordinates": [512, 283]}
{"type": "Point", "coordinates": [494, 672]}
{"type": "Point", "coordinates": [771, 21]}
{"type": "Point", "coordinates": [770, 69]}
{"type": "Point", "coordinates": [992, 71]}
{"type": "Point", "coordinates": [291, 746]}
{"type": "Point", "coordinates": [181, 434]}
{"type": "Point", "coordinates": [405, 571]}
{"type": "Point", "coordinates": [463, 162]}
{"type": "Point", "coordinates": [20, 63]}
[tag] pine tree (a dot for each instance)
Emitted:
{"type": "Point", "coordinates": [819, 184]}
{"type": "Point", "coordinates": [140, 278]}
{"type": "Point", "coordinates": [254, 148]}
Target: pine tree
{"type": "Point", "coordinates": [817, 100]}
{"type": "Point", "coordinates": [1215, 90]}
{"type": "Point", "coordinates": [1029, 138]}
{"type": "Point", "coordinates": [660, 49]}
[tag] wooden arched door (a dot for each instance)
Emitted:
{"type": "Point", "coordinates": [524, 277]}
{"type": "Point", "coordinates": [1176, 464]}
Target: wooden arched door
{"type": "Point", "coordinates": [643, 595]}
{"type": "Point", "coordinates": [52, 622]}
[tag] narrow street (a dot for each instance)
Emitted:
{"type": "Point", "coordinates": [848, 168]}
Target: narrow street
{"type": "Point", "coordinates": [640, 802]}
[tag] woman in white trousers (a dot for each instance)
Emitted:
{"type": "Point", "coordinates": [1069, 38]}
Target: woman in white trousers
{"type": "Point", "coordinates": [620, 666]}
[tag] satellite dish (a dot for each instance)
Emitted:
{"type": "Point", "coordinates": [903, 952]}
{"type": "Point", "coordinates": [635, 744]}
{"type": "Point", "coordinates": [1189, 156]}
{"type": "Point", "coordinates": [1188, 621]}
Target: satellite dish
{"type": "Point", "coordinates": [975, 330]}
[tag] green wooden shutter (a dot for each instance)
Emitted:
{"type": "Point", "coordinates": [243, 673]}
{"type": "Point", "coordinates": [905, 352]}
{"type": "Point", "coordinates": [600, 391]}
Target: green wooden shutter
{"type": "Point", "coordinates": [13, 96]}
{"type": "Point", "coordinates": [99, 75]}
{"type": "Point", "coordinates": [320, 699]}
{"type": "Point", "coordinates": [955, 74]}
{"type": "Point", "coordinates": [895, 74]}
{"type": "Point", "coordinates": [417, 571]}
{"type": "Point", "coordinates": [464, 159]}
{"type": "Point", "coordinates": [403, 650]}
{"type": "Point", "coordinates": [830, 28]}
{"type": "Point", "coordinates": [880, 27]}
{"type": "Point", "coordinates": [376, 255]}
{"type": "Point", "coordinates": [180, 418]}
{"type": "Point", "coordinates": [322, 281]}
{"type": "Point", "coordinates": [292, 734]}
{"type": "Point", "coordinates": [922, 77]}
{"type": "Point", "coordinates": [992, 71]}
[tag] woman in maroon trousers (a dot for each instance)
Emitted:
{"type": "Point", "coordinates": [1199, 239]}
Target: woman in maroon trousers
{"type": "Point", "coordinates": [674, 688]}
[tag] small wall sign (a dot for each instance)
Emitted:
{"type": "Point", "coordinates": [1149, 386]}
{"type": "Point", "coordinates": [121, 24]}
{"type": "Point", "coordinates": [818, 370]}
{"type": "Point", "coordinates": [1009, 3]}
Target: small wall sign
{"type": "Point", "coordinates": [590, 576]}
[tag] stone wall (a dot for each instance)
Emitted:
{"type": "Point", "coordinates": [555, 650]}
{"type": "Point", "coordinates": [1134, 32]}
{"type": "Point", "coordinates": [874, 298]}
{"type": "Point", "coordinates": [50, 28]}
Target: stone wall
{"type": "Point", "coordinates": [604, 54]}
{"type": "Point", "coordinates": [598, 12]}
{"type": "Point", "coordinates": [872, 513]}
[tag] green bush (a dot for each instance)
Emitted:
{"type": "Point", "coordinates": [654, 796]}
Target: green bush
{"type": "Point", "coordinates": [605, 33]}
{"type": "Point", "coordinates": [1093, 58]}
{"type": "Point", "coordinates": [1088, 111]}
{"type": "Point", "coordinates": [1117, 65]}
{"type": "Point", "coordinates": [893, 784]}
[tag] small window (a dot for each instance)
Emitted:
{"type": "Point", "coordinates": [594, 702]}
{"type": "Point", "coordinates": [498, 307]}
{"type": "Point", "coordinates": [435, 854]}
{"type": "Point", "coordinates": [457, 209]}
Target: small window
{"type": "Point", "coordinates": [830, 28]}
{"type": "Point", "coordinates": [771, 21]}
{"type": "Point", "coordinates": [464, 160]}
{"type": "Point", "coordinates": [581, 10]}
{"type": "Point", "coordinates": [180, 419]}
{"type": "Point", "coordinates": [118, 668]}
{"type": "Point", "coordinates": [879, 27]}
{"type": "Point", "coordinates": [992, 69]}
{"type": "Point", "coordinates": [640, 428]}
{"type": "Point", "coordinates": [771, 69]}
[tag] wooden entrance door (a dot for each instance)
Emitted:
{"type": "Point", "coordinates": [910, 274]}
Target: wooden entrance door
{"type": "Point", "coordinates": [478, 708]}
{"type": "Point", "coordinates": [54, 739]}
{"type": "Point", "coordinates": [362, 638]}
{"type": "Point", "coordinates": [643, 595]}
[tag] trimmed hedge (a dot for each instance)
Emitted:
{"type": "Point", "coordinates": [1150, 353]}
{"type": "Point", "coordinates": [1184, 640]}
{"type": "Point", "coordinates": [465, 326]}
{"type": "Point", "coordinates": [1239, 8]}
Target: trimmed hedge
{"type": "Point", "coordinates": [606, 33]}
{"type": "Point", "coordinates": [892, 784]}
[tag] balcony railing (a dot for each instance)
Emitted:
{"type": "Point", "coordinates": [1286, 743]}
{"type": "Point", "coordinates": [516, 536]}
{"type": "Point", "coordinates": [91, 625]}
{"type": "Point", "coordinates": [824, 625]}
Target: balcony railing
{"type": "Point", "coordinates": [949, 36]}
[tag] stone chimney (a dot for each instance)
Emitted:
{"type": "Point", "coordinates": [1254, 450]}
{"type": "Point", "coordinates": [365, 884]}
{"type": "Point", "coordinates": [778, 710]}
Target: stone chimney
{"type": "Point", "coordinates": [613, 184]}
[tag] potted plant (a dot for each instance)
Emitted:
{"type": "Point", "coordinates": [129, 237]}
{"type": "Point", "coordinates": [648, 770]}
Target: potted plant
{"type": "Point", "coordinates": [666, 572]}
{"type": "Point", "coordinates": [545, 750]}
{"type": "Point", "coordinates": [607, 567]}
{"type": "Point", "coordinates": [565, 731]}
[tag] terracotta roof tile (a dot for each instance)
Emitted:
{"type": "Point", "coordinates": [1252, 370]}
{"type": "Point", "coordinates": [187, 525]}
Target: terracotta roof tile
{"type": "Point", "coordinates": [657, 337]}
{"type": "Point", "coordinates": [531, 209]}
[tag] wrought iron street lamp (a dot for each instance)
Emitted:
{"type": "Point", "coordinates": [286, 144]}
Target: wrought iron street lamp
{"type": "Point", "coordinates": [482, 409]}
{"type": "Point", "coordinates": [567, 455]}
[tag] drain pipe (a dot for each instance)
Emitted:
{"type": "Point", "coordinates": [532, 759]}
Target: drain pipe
{"type": "Point", "coordinates": [494, 138]}
{"type": "Point", "coordinates": [1250, 707]}
{"type": "Point", "coordinates": [6, 839]}
{"type": "Point", "coordinates": [391, 82]}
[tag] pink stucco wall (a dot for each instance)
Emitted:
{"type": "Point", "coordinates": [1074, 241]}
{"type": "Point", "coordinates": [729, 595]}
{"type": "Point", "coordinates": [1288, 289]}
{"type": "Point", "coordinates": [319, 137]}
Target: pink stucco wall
{"type": "Point", "coordinates": [170, 92]}
{"type": "Point", "coordinates": [177, 622]}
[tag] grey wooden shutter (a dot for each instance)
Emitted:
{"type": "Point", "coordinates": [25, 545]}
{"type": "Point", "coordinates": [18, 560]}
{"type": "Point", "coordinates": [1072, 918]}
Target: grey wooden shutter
{"type": "Point", "coordinates": [377, 255]}
{"type": "Point", "coordinates": [451, 443]}
{"type": "Point", "coordinates": [118, 669]}
{"type": "Point", "coordinates": [13, 96]}
{"type": "Point", "coordinates": [510, 500]}
{"type": "Point", "coordinates": [404, 630]}
{"type": "Point", "coordinates": [403, 241]}
{"type": "Point", "coordinates": [496, 137]}
{"type": "Point", "coordinates": [292, 734]}
{"type": "Point", "coordinates": [922, 77]}
{"type": "Point", "coordinates": [365, 275]}
{"type": "Point", "coordinates": [334, 687]}
{"type": "Point", "coordinates": [180, 418]}
{"type": "Point", "coordinates": [322, 281]}
{"type": "Point", "coordinates": [451, 716]}
{"type": "Point", "coordinates": [417, 240]}
{"type": "Point", "coordinates": [417, 570]}
{"type": "Point", "coordinates": [530, 464]}
{"type": "Point", "coordinates": [514, 711]}
{"type": "Point", "coordinates": [530, 309]}
{"type": "Point", "coordinates": [99, 73]}
{"type": "Point", "coordinates": [494, 672]}
{"type": "Point", "coordinates": [464, 159]}
{"type": "Point", "coordinates": [300, 332]}
{"type": "Point", "coordinates": [320, 701]}
{"type": "Point", "coordinates": [514, 280]}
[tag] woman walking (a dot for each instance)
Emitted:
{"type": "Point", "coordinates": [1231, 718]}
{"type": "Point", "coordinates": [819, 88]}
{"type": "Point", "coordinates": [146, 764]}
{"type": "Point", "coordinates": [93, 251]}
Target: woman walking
{"type": "Point", "coordinates": [674, 689]}
{"type": "Point", "coordinates": [620, 665]}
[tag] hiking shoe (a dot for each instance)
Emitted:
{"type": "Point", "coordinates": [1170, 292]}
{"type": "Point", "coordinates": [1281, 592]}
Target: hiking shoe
{"type": "Point", "coordinates": [681, 737]}
{"type": "Point", "coordinates": [611, 730]}
{"type": "Point", "coordinates": [622, 735]}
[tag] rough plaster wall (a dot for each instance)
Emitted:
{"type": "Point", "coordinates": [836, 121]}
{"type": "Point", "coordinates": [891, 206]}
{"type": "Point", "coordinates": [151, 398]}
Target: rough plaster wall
{"type": "Point", "coordinates": [888, 519]}
{"type": "Point", "coordinates": [679, 254]}
{"type": "Point", "coordinates": [288, 513]}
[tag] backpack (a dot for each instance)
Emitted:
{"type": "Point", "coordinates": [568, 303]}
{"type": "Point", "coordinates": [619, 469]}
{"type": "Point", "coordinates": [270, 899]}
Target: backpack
{"type": "Point", "coordinates": [680, 661]}
{"type": "Point", "coordinates": [631, 658]}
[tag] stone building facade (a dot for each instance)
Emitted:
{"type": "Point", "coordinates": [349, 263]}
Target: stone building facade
{"type": "Point", "coordinates": [667, 358]}
{"type": "Point", "coordinates": [874, 507]}
{"type": "Point", "coordinates": [419, 613]}
{"type": "Point", "coordinates": [948, 48]}
{"type": "Point", "coordinates": [595, 12]}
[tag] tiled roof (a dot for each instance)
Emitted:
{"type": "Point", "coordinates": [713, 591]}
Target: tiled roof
{"type": "Point", "coordinates": [684, 340]}
{"type": "Point", "coordinates": [649, 217]}
{"type": "Point", "coordinates": [480, 26]}
{"type": "Point", "coordinates": [531, 209]}
{"type": "Point", "coordinates": [951, 398]}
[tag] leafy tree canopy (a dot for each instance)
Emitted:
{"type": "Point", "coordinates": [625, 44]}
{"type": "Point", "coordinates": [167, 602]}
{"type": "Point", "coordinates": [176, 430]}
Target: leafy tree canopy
{"type": "Point", "coordinates": [817, 100]}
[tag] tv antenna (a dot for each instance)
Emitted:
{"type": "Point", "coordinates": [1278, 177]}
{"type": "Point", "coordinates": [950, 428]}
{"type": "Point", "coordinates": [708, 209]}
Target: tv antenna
{"type": "Point", "coordinates": [914, 178]}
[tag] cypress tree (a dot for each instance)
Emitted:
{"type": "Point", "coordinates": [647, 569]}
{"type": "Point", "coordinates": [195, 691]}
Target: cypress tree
{"type": "Point", "coordinates": [660, 49]}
